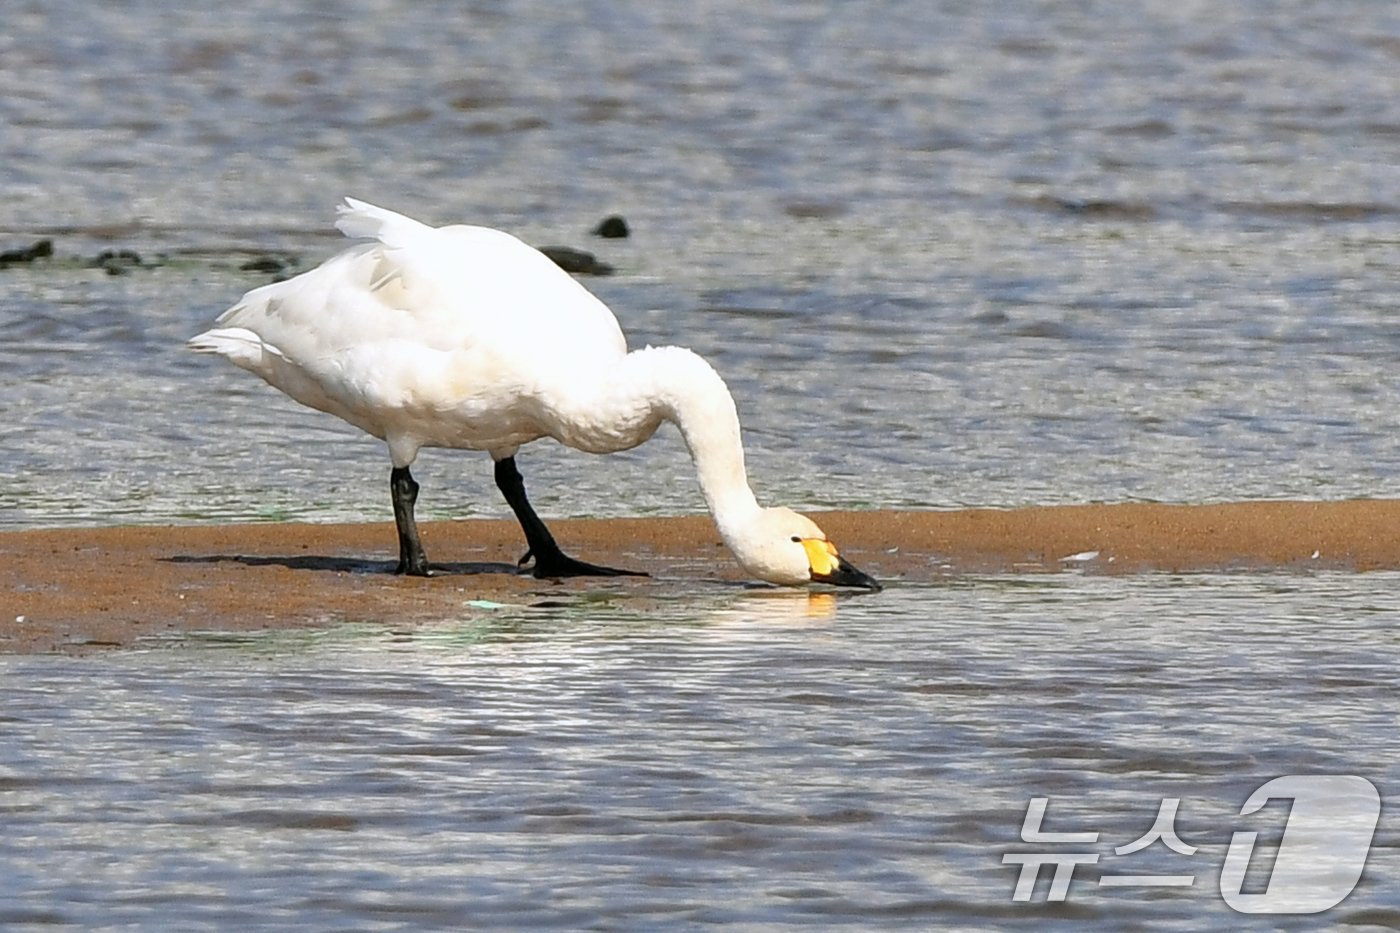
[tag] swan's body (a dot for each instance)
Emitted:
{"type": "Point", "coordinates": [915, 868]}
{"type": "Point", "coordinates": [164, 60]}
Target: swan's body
{"type": "Point", "coordinates": [466, 337]}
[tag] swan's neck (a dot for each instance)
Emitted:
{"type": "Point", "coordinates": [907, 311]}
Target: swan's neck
{"type": "Point", "coordinates": [677, 385]}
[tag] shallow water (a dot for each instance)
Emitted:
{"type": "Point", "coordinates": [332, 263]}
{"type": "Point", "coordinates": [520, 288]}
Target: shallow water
{"type": "Point", "coordinates": [945, 254]}
{"type": "Point", "coordinates": [766, 758]}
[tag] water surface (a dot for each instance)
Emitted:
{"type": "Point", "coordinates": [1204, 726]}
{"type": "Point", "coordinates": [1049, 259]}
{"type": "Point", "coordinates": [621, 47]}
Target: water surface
{"type": "Point", "coordinates": [770, 759]}
{"type": "Point", "coordinates": [944, 255]}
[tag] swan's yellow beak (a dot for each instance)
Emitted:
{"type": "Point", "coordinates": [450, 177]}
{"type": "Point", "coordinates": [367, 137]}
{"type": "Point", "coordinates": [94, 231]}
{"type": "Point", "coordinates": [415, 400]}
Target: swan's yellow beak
{"type": "Point", "coordinates": [828, 566]}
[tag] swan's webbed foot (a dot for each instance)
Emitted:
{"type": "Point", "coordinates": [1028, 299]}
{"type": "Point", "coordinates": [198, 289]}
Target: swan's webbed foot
{"type": "Point", "coordinates": [550, 561]}
{"type": "Point", "coordinates": [410, 567]}
{"type": "Point", "coordinates": [555, 564]}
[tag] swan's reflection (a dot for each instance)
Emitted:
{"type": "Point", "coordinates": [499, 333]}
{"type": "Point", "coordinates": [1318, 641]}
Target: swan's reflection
{"type": "Point", "coordinates": [776, 608]}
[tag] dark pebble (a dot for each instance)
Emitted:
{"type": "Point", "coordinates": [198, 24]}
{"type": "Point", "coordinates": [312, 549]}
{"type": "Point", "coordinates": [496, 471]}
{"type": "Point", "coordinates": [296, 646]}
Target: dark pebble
{"type": "Point", "coordinates": [116, 261]}
{"type": "Point", "coordinates": [41, 249]}
{"type": "Point", "coordinates": [576, 260]}
{"type": "Point", "coordinates": [612, 227]}
{"type": "Point", "coordinates": [268, 264]}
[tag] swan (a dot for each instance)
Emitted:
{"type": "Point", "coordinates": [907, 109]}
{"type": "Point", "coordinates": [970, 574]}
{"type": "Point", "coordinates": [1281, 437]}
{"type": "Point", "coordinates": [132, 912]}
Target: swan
{"type": "Point", "coordinates": [466, 337]}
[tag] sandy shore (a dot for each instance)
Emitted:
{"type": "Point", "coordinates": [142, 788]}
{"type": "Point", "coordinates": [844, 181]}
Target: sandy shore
{"type": "Point", "coordinates": [77, 589]}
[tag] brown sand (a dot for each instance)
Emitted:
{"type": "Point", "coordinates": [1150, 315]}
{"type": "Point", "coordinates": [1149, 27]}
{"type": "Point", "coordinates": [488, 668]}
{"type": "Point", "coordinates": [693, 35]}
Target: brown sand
{"type": "Point", "coordinates": [75, 589]}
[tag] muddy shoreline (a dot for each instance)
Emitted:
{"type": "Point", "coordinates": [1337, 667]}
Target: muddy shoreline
{"type": "Point", "coordinates": [78, 589]}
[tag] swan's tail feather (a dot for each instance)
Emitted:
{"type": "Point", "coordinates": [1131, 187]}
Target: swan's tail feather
{"type": "Point", "coordinates": [360, 220]}
{"type": "Point", "coordinates": [237, 344]}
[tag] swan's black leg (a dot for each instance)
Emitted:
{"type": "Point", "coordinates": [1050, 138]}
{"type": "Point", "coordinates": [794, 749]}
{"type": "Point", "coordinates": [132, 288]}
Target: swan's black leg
{"type": "Point", "coordinates": [550, 561]}
{"type": "Point", "coordinates": [412, 561]}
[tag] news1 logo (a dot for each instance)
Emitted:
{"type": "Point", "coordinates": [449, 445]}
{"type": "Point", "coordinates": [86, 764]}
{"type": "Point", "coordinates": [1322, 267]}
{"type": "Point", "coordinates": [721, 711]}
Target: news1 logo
{"type": "Point", "coordinates": [1317, 863]}
{"type": "Point", "coordinates": [1323, 850]}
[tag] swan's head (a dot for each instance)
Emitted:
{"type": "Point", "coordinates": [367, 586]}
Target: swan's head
{"type": "Point", "coordinates": [781, 546]}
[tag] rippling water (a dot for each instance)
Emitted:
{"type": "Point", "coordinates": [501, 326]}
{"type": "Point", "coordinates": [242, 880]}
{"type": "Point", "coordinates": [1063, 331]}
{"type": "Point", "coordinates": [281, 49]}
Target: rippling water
{"type": "Point", "coordinates": [945, 253]}
{"type": "Point", "coordinates": [764, 758]}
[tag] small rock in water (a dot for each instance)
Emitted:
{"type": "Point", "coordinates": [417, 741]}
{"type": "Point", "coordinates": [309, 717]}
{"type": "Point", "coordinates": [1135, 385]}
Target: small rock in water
{"type": "Point", "coordinates": [117, 261]}
{"type": "Point", "coordinates": [40, 249]}
{"type": "Point", "coordinates": [576, 260]}
{"type": "Point", "coordinates": [612, 227]}
{"type": "Point", "coordinates": [266, 263]}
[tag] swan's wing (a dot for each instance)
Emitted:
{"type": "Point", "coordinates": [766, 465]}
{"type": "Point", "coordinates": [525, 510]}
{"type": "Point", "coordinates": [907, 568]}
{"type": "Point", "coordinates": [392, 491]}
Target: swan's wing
{"type": "Point", "coordinates": [418, 315]}
{"type": "Point", "coordinates": [482, 286]}
{"type": "Point", "coordinates": [360, 220]}
{"type": "Point", "coordinates": [323, 311]}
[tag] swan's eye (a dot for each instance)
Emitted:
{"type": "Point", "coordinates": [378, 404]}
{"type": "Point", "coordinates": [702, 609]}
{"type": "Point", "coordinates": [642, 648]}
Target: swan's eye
{"type": "Point", "coordinates": [796, 539]}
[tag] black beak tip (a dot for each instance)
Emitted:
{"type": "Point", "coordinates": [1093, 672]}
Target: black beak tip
{"type": "Point", "coordinates": [847, 575]}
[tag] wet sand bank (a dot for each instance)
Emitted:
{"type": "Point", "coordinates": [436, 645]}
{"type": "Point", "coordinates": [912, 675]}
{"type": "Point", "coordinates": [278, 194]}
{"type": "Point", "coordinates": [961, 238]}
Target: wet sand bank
{"type": "Point", "coordinates": [85, 588]}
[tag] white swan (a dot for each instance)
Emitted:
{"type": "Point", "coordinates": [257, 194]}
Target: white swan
{"type": "Point", "coordinates": [466, 337]}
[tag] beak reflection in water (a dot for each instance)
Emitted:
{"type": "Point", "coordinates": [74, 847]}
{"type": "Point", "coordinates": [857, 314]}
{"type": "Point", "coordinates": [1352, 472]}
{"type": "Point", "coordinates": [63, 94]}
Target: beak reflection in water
{"type": "Point", "coordinates": [828, 566]}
